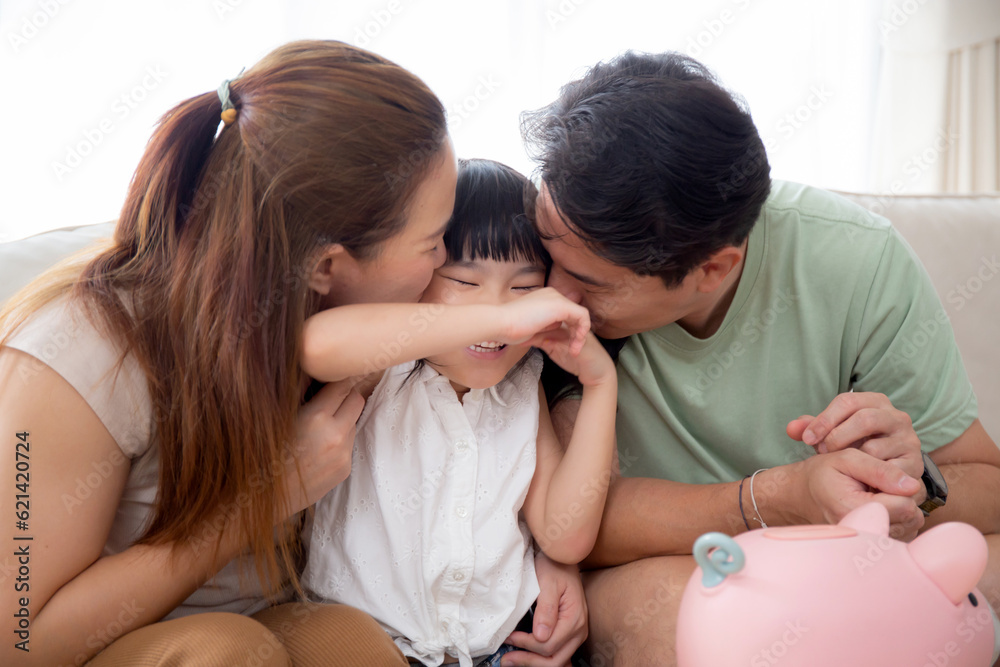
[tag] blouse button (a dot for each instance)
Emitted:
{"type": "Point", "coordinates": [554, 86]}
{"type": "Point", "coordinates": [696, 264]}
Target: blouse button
{"type": "Point", "coordinates": [458, 576]}
{"type": "Point", "coordinates": [462, 445]}
{"type": "Point", "coordinates": [461, 511]}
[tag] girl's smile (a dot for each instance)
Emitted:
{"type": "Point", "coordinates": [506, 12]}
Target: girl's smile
{"type": "Point", "coordinates": [487, 350]}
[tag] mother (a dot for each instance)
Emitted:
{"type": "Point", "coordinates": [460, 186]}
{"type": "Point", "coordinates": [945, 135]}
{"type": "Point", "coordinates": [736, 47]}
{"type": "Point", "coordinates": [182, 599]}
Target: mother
{"type": "Point", "coordinates": [170, 450]}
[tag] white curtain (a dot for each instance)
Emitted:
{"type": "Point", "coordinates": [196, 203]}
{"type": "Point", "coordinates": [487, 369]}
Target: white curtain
{"type": "Point", "coordinates": [972, 163]}
{"type": "Point", "coordinates": [936, 118]}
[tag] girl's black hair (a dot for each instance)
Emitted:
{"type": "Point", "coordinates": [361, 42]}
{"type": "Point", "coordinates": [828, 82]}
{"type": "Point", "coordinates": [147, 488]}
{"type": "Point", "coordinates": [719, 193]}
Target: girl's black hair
{"type": "Point", "coordinates": [493, 217]}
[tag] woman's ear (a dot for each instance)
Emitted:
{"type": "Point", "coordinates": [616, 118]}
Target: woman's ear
{"type": "Point", "coordinates": [326, 269]}
{"type": "Point", "coordinates": [715, 270]}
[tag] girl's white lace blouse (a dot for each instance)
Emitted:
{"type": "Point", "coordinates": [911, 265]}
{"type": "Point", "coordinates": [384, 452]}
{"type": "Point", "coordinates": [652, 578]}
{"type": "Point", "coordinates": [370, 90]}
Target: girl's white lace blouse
{"type": "Point", "coordinates": [425, 533]}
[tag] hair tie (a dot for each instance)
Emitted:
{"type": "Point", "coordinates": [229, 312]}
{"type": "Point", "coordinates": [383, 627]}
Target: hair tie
{"type": "Point", "coordinates": [228, 110]}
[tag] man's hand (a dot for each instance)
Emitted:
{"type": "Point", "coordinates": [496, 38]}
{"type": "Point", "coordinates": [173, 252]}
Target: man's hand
{"type": "Point", "coordinates": [831, 485]}
{"type": "Point", "coordinates": [840, 480]}
{"type": "Point", "coordinates": [560, 619]}
{"type": "Point", "coordinates": [867, 421]}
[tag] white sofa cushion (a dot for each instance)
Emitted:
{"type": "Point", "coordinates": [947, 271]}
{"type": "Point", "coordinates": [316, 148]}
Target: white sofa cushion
{"type": "Point", "coordinates": [23, 260]}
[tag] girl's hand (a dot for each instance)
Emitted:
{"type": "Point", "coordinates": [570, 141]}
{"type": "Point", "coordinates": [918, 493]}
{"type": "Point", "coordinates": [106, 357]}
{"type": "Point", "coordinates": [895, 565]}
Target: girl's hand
{"type": "Point", "coordinates": [325, 429]}
{"type": "Point", "coordinates": [593, 365]}
{"type": "Point", "coordinates": [546, 310]}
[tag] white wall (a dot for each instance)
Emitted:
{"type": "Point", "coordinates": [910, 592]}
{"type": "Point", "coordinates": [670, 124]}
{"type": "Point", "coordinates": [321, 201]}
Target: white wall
{"type": "Point", "coordinates": [84, 81]}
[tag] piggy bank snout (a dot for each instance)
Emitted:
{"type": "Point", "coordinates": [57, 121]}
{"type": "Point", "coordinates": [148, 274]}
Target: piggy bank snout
{"type": "Point", "coordinates": [953, 556]}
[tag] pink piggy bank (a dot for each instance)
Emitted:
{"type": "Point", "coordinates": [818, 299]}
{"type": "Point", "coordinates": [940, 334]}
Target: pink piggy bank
{"type": "Point", "coordinates": [838, 596]}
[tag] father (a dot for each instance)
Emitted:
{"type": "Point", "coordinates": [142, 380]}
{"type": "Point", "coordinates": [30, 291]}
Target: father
{"type": "Point", "coordinates": [764, 324]}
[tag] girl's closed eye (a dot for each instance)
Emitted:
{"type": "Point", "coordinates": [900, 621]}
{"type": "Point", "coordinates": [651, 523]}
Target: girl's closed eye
{"type": "Point", "coordinates": [461, 282]}
{"type": "Point", "coordinates": [526, 288]}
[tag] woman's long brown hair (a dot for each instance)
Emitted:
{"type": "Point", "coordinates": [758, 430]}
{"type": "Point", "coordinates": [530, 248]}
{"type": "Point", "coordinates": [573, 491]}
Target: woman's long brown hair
{"type": "Point", "coordinates": [204, 281]}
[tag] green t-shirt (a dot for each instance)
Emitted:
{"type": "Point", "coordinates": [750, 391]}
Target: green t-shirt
{"type": "Point", "coordinates": [831, 299]}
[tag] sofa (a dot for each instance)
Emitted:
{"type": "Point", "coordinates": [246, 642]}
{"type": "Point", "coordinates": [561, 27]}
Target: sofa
{"type": "Point", "coordinates": [956, 236]}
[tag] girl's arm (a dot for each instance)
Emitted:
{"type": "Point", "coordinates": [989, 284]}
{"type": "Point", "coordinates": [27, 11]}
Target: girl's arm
{"type": "Point", "coordinates": [566, 498]}
{"type": "Point", "coordinates": [364, 338]}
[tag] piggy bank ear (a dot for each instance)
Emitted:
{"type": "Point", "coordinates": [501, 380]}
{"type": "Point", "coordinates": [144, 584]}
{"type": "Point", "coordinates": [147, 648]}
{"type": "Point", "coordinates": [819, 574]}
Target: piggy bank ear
{"type": "Point", "coordinates": [953, 555]}
{"type": "Point", "coordinates": [869, 518]}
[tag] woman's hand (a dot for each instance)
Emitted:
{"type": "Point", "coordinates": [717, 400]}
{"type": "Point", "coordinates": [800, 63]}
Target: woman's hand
{"type": "Point", "coordinates": [325, 429]}
{"type": "Point", "coordinates": [560, 619]}
{"type": "Point", "coordinates": [546, 310]}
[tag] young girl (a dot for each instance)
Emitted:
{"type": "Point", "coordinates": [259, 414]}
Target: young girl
{"type": "Point", "coordinates": [455, 463]}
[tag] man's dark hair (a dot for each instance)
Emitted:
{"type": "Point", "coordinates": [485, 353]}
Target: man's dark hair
{"type": "Point", "coordinates": [653, 164]}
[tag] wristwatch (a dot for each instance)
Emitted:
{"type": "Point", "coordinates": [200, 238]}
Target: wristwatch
{"type": "Point", "coordinates": [937, 488]}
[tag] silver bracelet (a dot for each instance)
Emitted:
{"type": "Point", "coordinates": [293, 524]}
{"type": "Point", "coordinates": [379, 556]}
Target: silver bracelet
{"type": "Point", "coordinates": [756, 511]}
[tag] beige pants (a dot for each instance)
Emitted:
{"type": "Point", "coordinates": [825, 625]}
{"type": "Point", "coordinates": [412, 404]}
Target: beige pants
{"type": "Point", "coordinates": [289, 635]}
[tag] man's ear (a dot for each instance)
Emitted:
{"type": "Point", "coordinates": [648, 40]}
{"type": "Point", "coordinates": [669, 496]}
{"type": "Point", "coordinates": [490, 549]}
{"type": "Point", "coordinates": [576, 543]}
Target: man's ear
{"type": "Point", "coordinates": [714, 271]}
{"type": "Point", "coordinates": [327, 268]}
